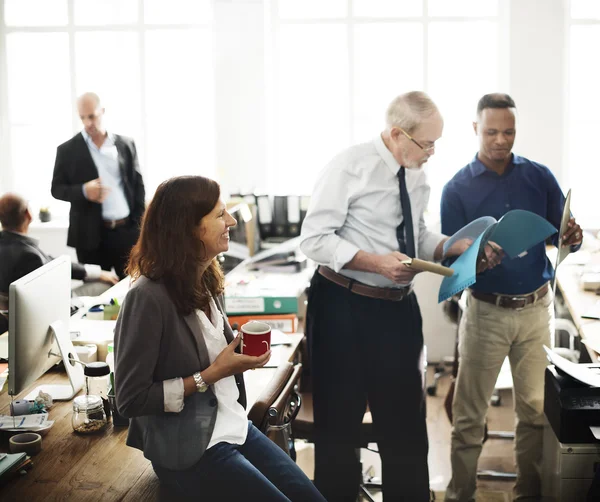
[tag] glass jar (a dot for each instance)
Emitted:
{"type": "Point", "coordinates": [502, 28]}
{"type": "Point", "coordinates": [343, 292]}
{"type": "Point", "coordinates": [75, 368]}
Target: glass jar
{"type": "Point", "coordinates": [97, 382]}
{"type": "Point", "coordinates": [88, 414]}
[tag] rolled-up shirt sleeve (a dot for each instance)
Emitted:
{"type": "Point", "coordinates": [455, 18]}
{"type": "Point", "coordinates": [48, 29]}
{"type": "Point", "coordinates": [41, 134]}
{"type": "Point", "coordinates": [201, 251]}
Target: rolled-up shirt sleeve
{"type": "Point", "coordinates": [174, 393]}
{"type": "Point", "coordinates": [326, 215]}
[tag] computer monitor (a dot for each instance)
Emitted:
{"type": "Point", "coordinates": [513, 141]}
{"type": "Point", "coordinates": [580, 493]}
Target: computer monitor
{"type": "Point", "coordinates": [39, 306]}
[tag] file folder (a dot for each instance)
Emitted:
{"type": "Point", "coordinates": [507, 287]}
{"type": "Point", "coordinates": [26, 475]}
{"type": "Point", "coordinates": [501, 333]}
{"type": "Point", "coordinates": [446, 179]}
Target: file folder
{"type": "Point", "coordinates": [265, 216]}
{"type": "Point", "coordinates": [293, 215]}
{"type": "Point", "coordinates": [280, 216]}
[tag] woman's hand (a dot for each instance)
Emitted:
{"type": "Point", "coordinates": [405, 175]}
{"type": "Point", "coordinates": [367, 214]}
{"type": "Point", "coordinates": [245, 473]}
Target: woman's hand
{"type": "Point", "coordinates": [229, 363]}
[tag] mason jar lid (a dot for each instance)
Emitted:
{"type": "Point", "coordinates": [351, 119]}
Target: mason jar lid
{"type": "Point", "coordinates": [87, 403]}
{"type": "Point", "coordinates": [96, 369]}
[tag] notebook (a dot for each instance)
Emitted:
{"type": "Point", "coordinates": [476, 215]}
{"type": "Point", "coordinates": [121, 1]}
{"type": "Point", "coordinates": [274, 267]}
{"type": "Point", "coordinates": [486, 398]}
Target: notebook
{"type": "Point", "coordinates": [10, 462]}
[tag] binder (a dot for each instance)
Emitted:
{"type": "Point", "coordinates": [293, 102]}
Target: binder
{"type": "Point", "coordinates": [257, 292]}
{"type": "Point", "coordinates": [280, 216]}
{"type": "Point", "coordinates": [293, 215]}
{"type": "Point", "coordinates": [265, 216]}
{"type": "Point", "coordinates": [304, 203]}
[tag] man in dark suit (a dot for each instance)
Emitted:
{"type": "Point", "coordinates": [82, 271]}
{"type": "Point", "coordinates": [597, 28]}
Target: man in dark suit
{"type": "Point", "coordinates": [98, 173]}
{"type": "Point", "coordinates": [21, 254]}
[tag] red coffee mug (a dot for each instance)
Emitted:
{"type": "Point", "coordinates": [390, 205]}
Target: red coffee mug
{"type": "Point", "coordinates": [256, 338]}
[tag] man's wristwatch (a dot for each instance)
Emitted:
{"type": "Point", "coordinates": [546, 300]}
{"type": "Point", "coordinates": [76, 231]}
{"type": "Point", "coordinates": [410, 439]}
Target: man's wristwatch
{"type": "Point", "coordinates": [201, 385]}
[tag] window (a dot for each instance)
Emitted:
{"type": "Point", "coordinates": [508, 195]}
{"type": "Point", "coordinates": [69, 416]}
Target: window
{"type": "Point", "coordinates": [150, 61]}
{"type": "Point", "coordinates": [336, 65]}
{"type": "Point", "coordinates": [581, 174]}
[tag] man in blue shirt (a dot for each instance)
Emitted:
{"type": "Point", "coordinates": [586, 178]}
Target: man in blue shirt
{"type": "Point", "coordinates": [509, 309]}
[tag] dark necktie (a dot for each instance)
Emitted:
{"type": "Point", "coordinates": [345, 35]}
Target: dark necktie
{"type": "Point", "coordinates": [405, 233]}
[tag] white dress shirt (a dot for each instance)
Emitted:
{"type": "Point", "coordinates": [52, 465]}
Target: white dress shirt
{"type": "Point", "coordinates": [106, 159]}
{"type": "Point", "coordinates": [356, 206]}
{"type": "Point", "coordinates": [231, 425]}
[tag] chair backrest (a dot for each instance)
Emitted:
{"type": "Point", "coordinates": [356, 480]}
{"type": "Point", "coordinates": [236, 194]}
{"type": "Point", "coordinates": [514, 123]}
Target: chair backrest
{"type": "Point", "coordinates": [278, 403]}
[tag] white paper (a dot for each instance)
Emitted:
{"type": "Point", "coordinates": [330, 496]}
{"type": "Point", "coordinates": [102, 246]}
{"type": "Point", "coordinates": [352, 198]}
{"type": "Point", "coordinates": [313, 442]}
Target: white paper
{"type": "Point", "coordinates": [37, 421]}
{"type": "Point", "coordinates": [580, 372]}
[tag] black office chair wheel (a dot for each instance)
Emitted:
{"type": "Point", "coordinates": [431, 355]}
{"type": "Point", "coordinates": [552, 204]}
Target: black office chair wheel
{"type": "Point", "coordinates": [431, 390]}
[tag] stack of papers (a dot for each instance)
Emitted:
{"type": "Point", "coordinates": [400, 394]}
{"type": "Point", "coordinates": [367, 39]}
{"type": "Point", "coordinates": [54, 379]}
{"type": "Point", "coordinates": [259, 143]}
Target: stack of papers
{"type": "Point", "coordinates": [25, 422]}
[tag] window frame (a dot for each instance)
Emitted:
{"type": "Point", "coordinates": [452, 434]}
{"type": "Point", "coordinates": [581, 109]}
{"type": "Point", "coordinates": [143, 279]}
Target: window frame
{"type": "Point", "coordinates": [7, 176]}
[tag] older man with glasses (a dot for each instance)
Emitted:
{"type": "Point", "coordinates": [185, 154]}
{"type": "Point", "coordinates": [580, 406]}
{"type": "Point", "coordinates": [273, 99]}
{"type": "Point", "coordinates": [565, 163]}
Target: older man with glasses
{"type": "Point", "coordinates": [363, 320]}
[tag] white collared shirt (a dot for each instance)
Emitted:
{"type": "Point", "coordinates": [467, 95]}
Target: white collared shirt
{"type": "Point", "coordinates": [231, 425]}
{"type": "Point", "coordinates": [106, 160]}
{"type": "Point", "coordinates": [356, 206]}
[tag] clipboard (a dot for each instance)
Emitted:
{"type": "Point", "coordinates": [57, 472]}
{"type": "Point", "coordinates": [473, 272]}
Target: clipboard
{"type": "Point", "coordinates": [428, 266]}
{"type": "Point", "coordinates": [563, 251]}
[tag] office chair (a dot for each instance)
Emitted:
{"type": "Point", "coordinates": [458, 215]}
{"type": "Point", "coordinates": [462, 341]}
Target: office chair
{"type": "Point", "coordinates": [277, 406]}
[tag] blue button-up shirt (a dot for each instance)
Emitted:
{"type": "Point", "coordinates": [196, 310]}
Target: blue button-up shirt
{"type": "Point", "coordinates": [476, 191]}
{"type": "Point", "coordinates": [106, 159]}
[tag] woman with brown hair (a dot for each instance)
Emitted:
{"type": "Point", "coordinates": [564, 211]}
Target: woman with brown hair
{"type": "Point", "coordinates": [178, 375]}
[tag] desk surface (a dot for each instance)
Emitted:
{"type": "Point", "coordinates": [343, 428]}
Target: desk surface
{"type": "Point", "coordinates": [579, 301]}
{"type": "Point", "coordinates": [100, 466]}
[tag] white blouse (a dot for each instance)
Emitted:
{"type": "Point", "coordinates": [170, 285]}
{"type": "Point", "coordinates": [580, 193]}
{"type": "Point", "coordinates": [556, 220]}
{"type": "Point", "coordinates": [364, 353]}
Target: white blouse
{"type": "Point", "coordinates": [231, 425]}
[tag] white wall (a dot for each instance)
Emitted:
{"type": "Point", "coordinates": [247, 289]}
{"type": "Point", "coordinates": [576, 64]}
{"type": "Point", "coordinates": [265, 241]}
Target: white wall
{"type": "Point", "coordinates": [537, 79]}
{"type": "Point", "coordinates": [240, 94]}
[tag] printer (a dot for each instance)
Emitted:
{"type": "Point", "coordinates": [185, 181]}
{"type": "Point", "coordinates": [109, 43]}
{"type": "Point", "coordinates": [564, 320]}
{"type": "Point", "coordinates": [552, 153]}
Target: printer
{"type": "Point", "coordinates": [571, 452]}
{"type": "Point", "coordinates": [571, 406]}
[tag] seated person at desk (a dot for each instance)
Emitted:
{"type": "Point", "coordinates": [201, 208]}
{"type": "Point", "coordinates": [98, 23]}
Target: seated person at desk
{"type": "Point", "coordinates": [178, 373]}
{"type": "Point", "coordinates": [21, 254]}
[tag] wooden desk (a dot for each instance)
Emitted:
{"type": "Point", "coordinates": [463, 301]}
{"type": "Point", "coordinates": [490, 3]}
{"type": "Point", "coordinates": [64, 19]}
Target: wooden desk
{"type": "Point", "coordinates": [100, 467]}
{"type": "Point", "coordinates": [579, 301]}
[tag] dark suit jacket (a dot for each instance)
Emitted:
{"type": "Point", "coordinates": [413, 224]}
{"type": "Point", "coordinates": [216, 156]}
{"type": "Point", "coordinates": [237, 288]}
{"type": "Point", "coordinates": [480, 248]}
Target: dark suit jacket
{"type": "Point", "coordinates": [74, 166]}
{"type": "Point", "coordinates": [153, 343]}
{"type": "Point", "coordinates": [20, 254]}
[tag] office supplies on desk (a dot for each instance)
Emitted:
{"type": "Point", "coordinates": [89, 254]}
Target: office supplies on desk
{"type": "Point", "coordinates": [9, 463]}
{"type": "Point", "coordinates": [288, 323]}
{"type": "Point", "coordinates": [516, 232]}
{"type": "Point", "coordinates": [27, 442]}
{"type": "Point", "coordinates": [249, 292]}
{"type": "Point", "coordinates": [588, 374]}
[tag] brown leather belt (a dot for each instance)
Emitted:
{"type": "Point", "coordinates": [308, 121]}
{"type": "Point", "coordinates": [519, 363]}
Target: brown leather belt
{"type": "Point", "coordinates": [510, 301]}
{"type": "Point", "coordinates": [392, 294]}
{"type": "Point", "coordinates": [112, 224]}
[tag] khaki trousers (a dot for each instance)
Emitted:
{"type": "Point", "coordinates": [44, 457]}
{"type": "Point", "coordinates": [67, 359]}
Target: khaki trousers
{"type": "Point", "coordinates": [487, 334]}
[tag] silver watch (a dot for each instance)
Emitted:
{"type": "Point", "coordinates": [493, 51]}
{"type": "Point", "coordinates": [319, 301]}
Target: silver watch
{"type": "Point", "coordinates": [201, 385]}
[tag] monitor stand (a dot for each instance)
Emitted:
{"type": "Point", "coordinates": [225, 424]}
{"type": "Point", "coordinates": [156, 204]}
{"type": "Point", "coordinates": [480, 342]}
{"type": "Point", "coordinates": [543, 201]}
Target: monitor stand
{"type": "Point", "coordinates": [74, 369]}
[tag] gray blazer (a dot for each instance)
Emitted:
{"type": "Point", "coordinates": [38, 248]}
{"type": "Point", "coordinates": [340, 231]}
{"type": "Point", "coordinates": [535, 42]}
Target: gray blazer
{"type": "Point", "coordinates": [154, 342]}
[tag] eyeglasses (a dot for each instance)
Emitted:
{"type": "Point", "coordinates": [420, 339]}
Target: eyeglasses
{"type": "Point", "coordinates": [427, 150]}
